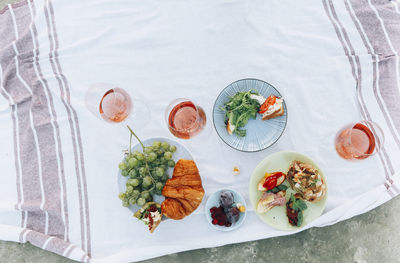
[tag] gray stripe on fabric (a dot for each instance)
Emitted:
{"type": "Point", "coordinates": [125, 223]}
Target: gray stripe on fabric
{"type": "Point", "coordinates": [74, 126]}
{"type": "Point", "coordinates": [68, 250]}
{"type": "Point", "coordinates": [54, 122]}
{"type": "Point", "coordinates": [375, 67]}
{"type": "Point", "coordinates": [71, 125]}
{"type": "Point", "coordinates": [4, 20]}
{"type": "Point", "coordinates": [10, 2]}
{"type": "Point", "coordinates": [396, 6]}
{"type": "Point", "coordinates": [43, 127]}
{"type": "Point", "coordinates": [391, 23]}
{"type": "Point", "coordinates": [36, 220]}
{"type": "Point", "coordinates": [57, 245]}
{"type": "Point", "coordinates": [15, 141]}
{"type": "Point", "coordinates": [359, 81]}
{"type": "Point", "coordinates": [36, 238]}
{"type": "Point", "coordinates": [355, 71]}
{"type": "Point", "coordinates": [54, 185]}
{"type": "Point", "coordinates": [392, 195]}
{"type": "Point", "coordinates": [21, 235]}
{"type": "Point", "coordinates": [50, 243]}
{"type": "Point", "coordinates": [388, 62]}
{"type": "Point", "coordinates": [82, 162]}
{"type": "Point", "coordinates": [23, 99]}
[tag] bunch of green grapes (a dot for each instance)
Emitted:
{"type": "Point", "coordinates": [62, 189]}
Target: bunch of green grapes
{"type": "Point", "coordinates": [146, 172]}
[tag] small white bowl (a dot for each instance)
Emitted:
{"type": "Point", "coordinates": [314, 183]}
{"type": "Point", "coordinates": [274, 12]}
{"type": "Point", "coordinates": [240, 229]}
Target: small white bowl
{"type": "Point", "coordinates": [213, 200]}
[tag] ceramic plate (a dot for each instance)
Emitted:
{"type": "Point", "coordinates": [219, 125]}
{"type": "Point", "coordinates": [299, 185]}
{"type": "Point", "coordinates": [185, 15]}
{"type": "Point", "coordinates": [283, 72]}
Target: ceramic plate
{"type": "Point", "coordinates": [276, 217]}
{"type": "Point", "coordinates": [260, 134]}
{"type": "Point", "coordinates": [181, 153]}
{"type": "Point", "coordinates": [213, 200]}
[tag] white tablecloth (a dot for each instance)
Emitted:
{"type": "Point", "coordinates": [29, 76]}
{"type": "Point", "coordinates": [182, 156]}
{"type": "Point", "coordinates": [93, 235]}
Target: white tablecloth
{"type": "Point", "coordinates": [58, 186]}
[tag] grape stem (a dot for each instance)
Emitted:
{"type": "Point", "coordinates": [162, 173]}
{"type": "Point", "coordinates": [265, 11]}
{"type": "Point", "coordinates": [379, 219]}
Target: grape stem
{"type": "Point", "coordinates": [145, 161]}
{"type": "Point", "coordinates": [134, 134]}
{"type": "Point", "coordinates": [130, 143]}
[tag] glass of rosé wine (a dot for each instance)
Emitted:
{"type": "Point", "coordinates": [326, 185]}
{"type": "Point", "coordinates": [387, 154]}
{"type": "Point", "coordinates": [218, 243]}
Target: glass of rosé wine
{"type": "Point", "coordinates": [114, 104]}
{"type": "Point", "coordinates": [358, 141]}
{"type": "Point", "coordinates": [184, 118]}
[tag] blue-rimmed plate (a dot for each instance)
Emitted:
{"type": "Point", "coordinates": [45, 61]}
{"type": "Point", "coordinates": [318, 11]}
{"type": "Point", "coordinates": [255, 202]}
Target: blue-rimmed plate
{"type": "Point", "coordinates": [213, 200]}
{"type": "Point", "coordinates": [260, 134]}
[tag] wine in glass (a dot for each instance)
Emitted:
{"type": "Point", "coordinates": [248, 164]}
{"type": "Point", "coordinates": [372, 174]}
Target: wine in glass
{"type": "Point", "coordinates": [116, 105]}
{"type": "Point", "coordinates": [360, 140]}
{"type": "Point", "coordinates": [113, 104]}
{"type": "Point", "coordinates": [184, 118]}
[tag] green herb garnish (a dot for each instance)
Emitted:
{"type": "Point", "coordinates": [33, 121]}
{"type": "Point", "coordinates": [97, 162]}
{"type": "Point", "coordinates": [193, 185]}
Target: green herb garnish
{"type": "Point", "coordinates": [239, 109]}
{"type": "Point", "coordinates": [300, 218]}
{"type": "Point", "coordinates": [298, 204]}
{"type": "Point", "coordinates": [278, 188]}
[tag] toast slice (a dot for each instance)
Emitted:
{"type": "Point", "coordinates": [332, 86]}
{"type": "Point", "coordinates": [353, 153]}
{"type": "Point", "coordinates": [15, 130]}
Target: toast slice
{"type": "Point", "coordinates": [274, 114]}
{"type": "Point", "coordinates": [270, 200]}
{"type": "Point", "coordinates": [154, 226]}
{"type": "Point", "coordinates": [151, 214]}
{"type": "Point", "coordinates": [272, 107]}
{"type": "Point", "coordinates": [307, 181]}
{"type": "Point", "coordinates": [280, 178]}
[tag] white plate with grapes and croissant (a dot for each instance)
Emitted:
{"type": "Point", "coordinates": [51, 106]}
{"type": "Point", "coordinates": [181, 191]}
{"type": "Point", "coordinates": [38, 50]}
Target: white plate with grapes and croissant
{"type": "Point", "coordinates": [158, 178]}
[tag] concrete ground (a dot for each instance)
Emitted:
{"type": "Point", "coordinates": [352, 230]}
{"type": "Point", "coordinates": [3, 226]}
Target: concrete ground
{"type": "Point", "coordinates": [371, 237]}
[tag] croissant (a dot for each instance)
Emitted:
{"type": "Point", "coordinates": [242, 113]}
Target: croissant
{"type": "Point", "coordinates": [183, 192]}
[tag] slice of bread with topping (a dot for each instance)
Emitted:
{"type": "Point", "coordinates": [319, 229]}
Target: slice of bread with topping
{"type": "Point", "coordinates": [279, 112]}
{"type": "Point", "coordinates": [307, 181]}
{"type": "Point", "coordinates": [272, 108]}
{"type": "Point", "coordinates": [150, 214]}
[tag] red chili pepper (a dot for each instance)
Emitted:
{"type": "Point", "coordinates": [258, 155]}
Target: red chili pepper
{"type": "Point", "coordinates": [271, 181]}
{"type": "Point", "coordinates": [267, 103]}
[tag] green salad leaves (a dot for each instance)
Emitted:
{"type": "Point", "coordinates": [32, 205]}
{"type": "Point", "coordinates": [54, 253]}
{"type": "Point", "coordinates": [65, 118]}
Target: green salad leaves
{"type": "Point", "coordinates": [238, 110]}
{"type": "Point", "coordinates": [298, 206]}
{"type": "Point", "coordinates": [278, 189]}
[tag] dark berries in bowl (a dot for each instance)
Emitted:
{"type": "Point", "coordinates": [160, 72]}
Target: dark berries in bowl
{"type": "Point", "coordinates": [219, 217]}
{"type": "Point", "coordinates": [226, 199]}
{"type": "Point", "coordinates": [228, 212]}
{"type": "Point", "coordinates": [233, 214]}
